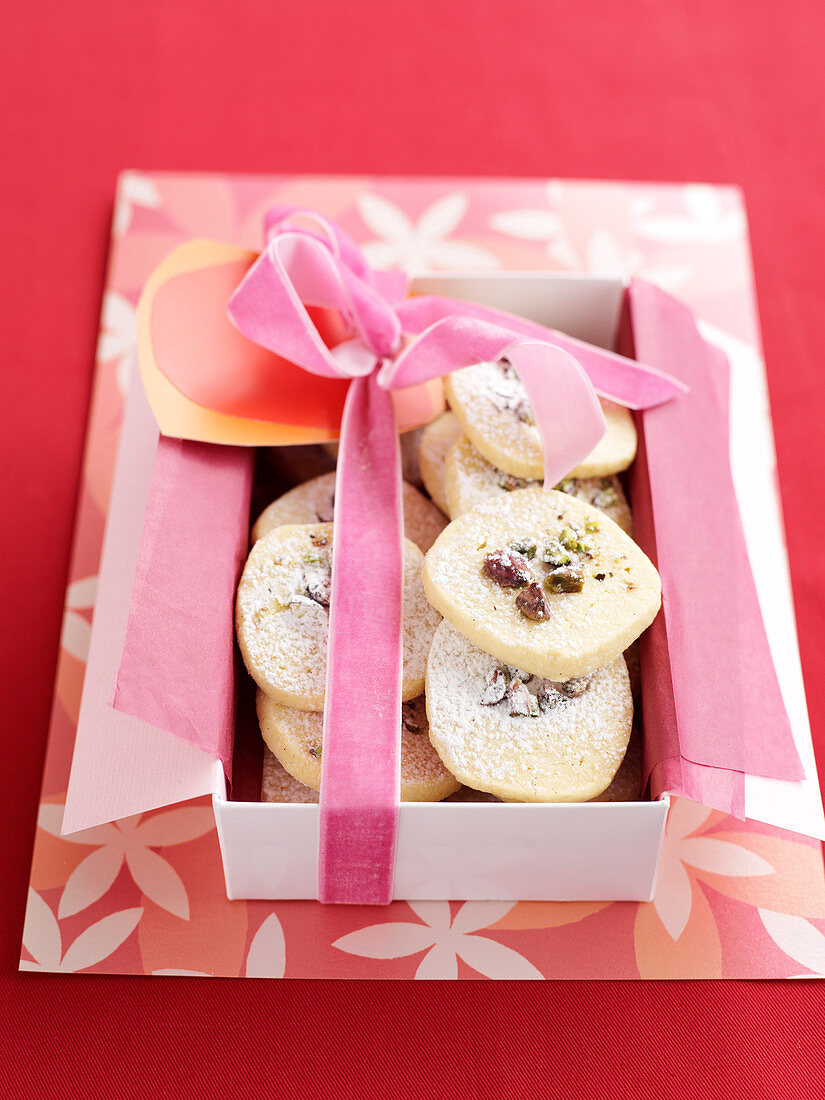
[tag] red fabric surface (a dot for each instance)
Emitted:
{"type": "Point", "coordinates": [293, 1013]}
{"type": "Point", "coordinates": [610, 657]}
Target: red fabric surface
{"type": "Point", "coordinates": [716, 90]}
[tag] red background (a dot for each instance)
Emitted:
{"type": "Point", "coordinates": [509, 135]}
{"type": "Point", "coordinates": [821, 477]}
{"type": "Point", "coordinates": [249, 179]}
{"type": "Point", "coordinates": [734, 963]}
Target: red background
{"type": "Point", "coordinates": [712, 90]}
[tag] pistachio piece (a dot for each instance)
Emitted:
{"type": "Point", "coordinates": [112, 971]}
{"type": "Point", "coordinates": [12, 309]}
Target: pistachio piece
{"type": "Point", "coordinates": [532, 604]}
{"type": "Point", "coordinates": [495, 687]}
{"type": "Point", "coordinates": [527, 547]}
{"type": "Point", "coordinates": [509, 482]}
{"type": "Point", "coordinates": [548, 697]}
{"type": "Point", "coordinates": [569, 578]}
{"type": "Point", "coordinates": [508, 568]}
{"type": "Point", "coordinates": [522, 701]}
{"type": "Point", "coordinates": [575, 687]}
{"type": "Point", "coordinates": [556, 555]}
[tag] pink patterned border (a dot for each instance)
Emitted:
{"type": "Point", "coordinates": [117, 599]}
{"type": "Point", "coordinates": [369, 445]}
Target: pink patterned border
{"type": "Point", "coordinates": [145, 895]}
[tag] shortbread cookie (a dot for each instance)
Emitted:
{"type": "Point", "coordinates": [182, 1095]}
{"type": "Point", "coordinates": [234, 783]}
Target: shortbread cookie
{"type": "Point", "coordinates": [544, 582]}
{"type": "Point", "coordinates": [521, 737]}
{"type": "Point", "coordinates": [470, 480]}
{"type": "Point", "coordinates": [296, 739]}
{"type": "Point", "coordinates": [495, 413]}
{"type": "Point", "coordinates": [282, 615]}
{"type": "Point", "coordinates": [436, 440]}
{"type": "Point", "coordinates": [277, 785]}
{"type": "Point", "coordinates": [312, 502]}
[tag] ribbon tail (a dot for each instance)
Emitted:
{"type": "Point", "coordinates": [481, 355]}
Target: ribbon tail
{"type": "Point", "coordinates": [565, 405]}
{"type": "Point", "coordinates": [625, 381]}
{"type": "Point", "coordinates": [360, 764]}
{"type": "Point", "coordinates": [567, 411]}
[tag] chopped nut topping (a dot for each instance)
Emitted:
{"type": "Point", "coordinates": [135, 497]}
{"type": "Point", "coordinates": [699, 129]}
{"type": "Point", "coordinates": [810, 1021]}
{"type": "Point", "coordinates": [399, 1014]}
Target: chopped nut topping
{"type": "Point", "coordinates": [556, 555]}
{"type": "Point", "coordinates": [599, 576]}
{"type": "Point", "coordinates": [575, 687]}
{"type": "Point", "coordinates": [315, 751]}
{"type": "Point", "coordinates": [495, 687]}
{"type": "Point", "coordinates": [508, 568]}
{"type": "Point", "coordinates": [605, 498]}
{"type": "Point", "coordinates": [524, 412]}
{"type": "Point", "coordinates": [319, 540]}
{"type": "Point", "coordinates": [570, 578]}
{"type": "Point", "coordinates": [509, 482]}
{"type": "Point", "coordinates": [527, 547]}
{"type": "Point", "coordinates": [548, 697]}
{"type": "Point", "coordinates": [522, 701]}
{"type": "Point", "coordinates": [532, 604]}
{"type": "Point", "coordinates": [319, 586]}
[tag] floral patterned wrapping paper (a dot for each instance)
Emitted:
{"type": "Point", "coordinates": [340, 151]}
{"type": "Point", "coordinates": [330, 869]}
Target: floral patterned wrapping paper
{"type": "Point", "coordinates": [146, 895]}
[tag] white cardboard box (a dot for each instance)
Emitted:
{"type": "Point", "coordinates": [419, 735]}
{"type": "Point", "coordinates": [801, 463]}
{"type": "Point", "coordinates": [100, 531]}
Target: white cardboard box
{"type": "Point", "coordinates": [590, 851]}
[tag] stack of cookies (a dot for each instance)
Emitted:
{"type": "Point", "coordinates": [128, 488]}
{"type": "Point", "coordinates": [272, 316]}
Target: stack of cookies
{"type": "Point", "coordinates": [518, 613]}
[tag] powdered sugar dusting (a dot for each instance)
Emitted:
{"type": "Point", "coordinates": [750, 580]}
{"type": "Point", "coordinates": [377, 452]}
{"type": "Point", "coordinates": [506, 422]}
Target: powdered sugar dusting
{"type": "Point", "coordinates": [470, 481]}
{"type": "Point", "coordinates": [283, 630]}
{"type": "Point", "coordinates": [586, 629]}
{"type": "Point", "coordinates": [496, 415]}
{"type": "Point", "coordinates": [569, 752]}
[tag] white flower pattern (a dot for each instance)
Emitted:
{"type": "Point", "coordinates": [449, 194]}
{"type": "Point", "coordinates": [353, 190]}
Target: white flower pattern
{"type": "Point", "coordinates": [673, 899]}
{"type": "Point", "coordinates": [118, 337]}
{"type": "Point", "coordinates": [129, 841]}
{"type": "Point", "coordinates": [266, 957]}
{"type": "Point", "coordinates": [426, 244]}
{"type": "Point", "coordinates": [604, 252]}
{"type": "Point", "coordinates": [707, 219]}
{"type": "Point", "coordinates": [445, 940]}
{"type": "Point", "coordinates": [134, 190]}
{"type": "Point", "coordinates": [44, 942]}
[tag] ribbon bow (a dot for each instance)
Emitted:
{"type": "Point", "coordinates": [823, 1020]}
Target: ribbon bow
{"type": "Point", "coordinates": [396, 341]}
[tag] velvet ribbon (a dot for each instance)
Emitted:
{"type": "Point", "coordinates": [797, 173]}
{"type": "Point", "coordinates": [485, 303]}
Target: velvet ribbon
{"type": "Point", "coordinates": [397, 341]}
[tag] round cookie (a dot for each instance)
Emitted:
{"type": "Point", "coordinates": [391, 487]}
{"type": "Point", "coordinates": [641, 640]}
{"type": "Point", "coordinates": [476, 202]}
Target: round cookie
{"type": "Point", "coordinates": [277, 785]}
{"type": "Point", "coordinates": [282, 615]}
{"type": "Point", "coordinates": [312, 502]}
{"type": "Point", "coordinates": [470, 480]}
{"type": "Point", "coordinates": [495, 413]}
{"type": "Point", "coordinates": [544, 582]}
{"type": "Point", "coordinates": [436, 440]}
{"type": "Point", "coordinates": [520, 737]}
{"type": "Point", "coordinates": [296, 739]}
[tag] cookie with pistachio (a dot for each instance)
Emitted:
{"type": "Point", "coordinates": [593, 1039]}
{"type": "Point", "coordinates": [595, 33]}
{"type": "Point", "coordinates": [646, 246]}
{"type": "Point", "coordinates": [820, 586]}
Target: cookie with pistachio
{"type": "Point", "coordinates": [436, 440]}
{"type": "Point", "coordinates": [522, 737]}
{"type": "Point", "coordinates": [470, 480]}
{"type": "Point", "coordinates": [496, 415]}
{"type": "Point", "coordinates": [282, 615]}
{"type": "Point", "coordinates": [544, 582]}
{"type": "Point", "coordinates": [296, 738]}
{"type": "Point", "coordinates": [313, 502]}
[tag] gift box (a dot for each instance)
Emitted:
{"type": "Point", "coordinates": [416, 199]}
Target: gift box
{"type": "Point", "coordinates": [124, 764]}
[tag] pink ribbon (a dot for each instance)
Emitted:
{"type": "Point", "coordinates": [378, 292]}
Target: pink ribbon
{"type": "Point", "coordinates": [397, 341]}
